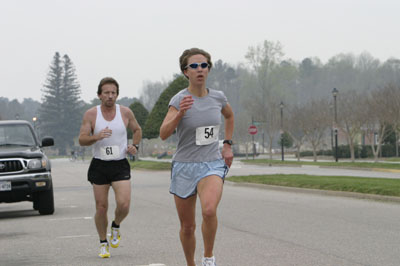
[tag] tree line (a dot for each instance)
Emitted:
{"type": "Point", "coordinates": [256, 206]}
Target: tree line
{"type": "Point", "coordinates": [367, 103]}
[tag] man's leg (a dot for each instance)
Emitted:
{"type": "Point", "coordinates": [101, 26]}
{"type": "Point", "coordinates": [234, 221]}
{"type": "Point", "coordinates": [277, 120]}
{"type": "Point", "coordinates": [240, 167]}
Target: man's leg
{"type": "Point", "coordinates": [210, 192]}
{"type": "Point", "coordinates": [186, 211]}
{"type": "Point", "coordinates": [122, 191]}
{"type": "Point", "coordinates": [100, 218]}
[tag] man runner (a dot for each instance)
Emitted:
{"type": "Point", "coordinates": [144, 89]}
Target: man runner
{"type": "Point", "coordinates": [104, 126]}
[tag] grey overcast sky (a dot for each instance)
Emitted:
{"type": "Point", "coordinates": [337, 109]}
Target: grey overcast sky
{"type": "Point", "coordinates": [136, 41]}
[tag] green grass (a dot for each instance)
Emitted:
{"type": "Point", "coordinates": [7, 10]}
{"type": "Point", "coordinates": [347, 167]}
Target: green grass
{"type": "Point", "coordinates": [379, 186]}
{"type": "Point", "coordinates": [356, 164]}
{"type": "Point", "coordinates": [150, 165]}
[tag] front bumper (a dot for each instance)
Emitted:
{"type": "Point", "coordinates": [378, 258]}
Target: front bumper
{"type": "Point", "coordinates": [23, 185]}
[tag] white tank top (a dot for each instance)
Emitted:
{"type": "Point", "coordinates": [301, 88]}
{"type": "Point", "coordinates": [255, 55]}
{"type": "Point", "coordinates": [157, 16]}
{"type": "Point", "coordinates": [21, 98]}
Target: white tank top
{"type": "Point", "coordinates": [114, 147]}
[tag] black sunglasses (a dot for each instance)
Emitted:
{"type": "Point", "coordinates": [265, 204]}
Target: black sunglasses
{"type": "Point", "coordinates": [196, 65]}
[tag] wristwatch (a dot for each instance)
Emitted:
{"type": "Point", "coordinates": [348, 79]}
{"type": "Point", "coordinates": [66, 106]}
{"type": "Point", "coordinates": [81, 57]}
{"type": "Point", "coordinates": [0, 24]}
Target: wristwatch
{"type": "Point", "coordinates": [228, 141]}
{"type": "Point", "coordinates": [136, 146]}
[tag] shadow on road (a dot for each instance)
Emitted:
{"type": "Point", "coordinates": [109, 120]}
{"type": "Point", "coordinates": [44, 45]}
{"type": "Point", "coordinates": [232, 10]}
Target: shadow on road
{"type": "Point", "coordinates": [18, 214]}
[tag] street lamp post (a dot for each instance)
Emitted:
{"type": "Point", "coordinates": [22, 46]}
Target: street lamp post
{"type": "Point", "coordinates": [34, 122]}
{"type": "Point", "coordinates": [282, 151]}
{"type": "Point", "coordinates": [335, 93]}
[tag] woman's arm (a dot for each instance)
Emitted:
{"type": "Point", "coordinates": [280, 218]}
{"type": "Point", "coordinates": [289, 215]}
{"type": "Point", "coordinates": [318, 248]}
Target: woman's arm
{"type": "Point", "coordinates": [227, 153]}
{"type": "Point", "coordinates": [174, 116]}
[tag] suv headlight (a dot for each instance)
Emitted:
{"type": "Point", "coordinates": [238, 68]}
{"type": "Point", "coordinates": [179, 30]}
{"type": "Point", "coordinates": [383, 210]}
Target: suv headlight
{"type": "Point", "coordinates": [35, 164]}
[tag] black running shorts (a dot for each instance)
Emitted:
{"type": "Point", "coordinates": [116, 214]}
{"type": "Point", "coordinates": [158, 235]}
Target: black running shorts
{"type": "Point", "coordinates": [104, 172]}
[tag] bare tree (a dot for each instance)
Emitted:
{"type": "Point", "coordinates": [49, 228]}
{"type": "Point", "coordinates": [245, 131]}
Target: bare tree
{"type": "Point", "coordinates": [316, 123]}
{"type": "Point", "coordinates": [295, 126]}
{"type": "Point", "coordinates": [378, 117]}
{"type": "Point", "coordinates": [351, 117]}
{"type": "Point", "coordinates": [263, 100]}
{"type": "Point", "coordinates": [392, 94]}
{"type": "Point", "coordinates": [151, 91]}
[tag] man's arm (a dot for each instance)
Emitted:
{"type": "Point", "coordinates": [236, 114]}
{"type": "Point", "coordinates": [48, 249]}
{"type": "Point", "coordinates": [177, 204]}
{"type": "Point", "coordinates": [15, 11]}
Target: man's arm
{"type": "Point", "coordinates": [85, 134]}
{"type": "Point", "coordinates": [136, 130]}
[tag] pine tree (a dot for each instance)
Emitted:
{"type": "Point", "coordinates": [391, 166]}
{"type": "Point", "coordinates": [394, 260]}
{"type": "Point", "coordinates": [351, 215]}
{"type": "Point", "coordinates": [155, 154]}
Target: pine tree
{"type": "Point", "coordinates": [70, 98]}
{"type": "Point", "coordinates": [60, 110]}
{"type": "Point", "coordinates": [49, 113]}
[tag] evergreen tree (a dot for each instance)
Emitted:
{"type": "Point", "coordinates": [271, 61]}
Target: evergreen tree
{"type": "Point", "coordinates": [61, 109]}
{"type": "Point", "coordinates": [140, 113]}
{"type": "Point", "coordinates": [50, 110]}
{"type": "Point", "coordinates": [70, 100]}
{"type": "Point", "coordinates": [160, 109]}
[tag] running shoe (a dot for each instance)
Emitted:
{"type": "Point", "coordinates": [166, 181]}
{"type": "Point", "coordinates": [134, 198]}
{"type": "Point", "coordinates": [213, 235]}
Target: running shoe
{"type": "Point", "coordinates": [209, 261]}
{"type": "Point", "coordinates": [115, 237]}
{"type": "Point", "coordinates": [104, 251]}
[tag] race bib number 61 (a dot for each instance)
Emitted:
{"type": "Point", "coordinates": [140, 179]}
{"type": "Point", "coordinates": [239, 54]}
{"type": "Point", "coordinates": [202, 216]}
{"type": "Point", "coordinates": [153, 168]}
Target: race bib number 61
{"type": "Point", "coordinates": [207, 135]}
{"type": "Point", "coordinates": [109, 153]}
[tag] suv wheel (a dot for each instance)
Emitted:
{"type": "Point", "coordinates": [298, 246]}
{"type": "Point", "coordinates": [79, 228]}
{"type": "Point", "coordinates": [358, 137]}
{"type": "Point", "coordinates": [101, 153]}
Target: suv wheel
{"type": "Point", "coordinates": [44, 202]}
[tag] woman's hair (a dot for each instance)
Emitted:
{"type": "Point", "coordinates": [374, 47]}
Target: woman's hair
{"type": "Point", "coordinates": [183, 59]}
{"type": "Point", "coordinates": [107, 80]}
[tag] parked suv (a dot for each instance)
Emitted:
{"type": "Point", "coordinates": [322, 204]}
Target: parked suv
{"type": "Point", "coordinates": [25, 171]}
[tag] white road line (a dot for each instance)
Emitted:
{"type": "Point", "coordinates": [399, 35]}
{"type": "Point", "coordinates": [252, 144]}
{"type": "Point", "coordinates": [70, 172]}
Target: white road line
{"type": "Point", "coordinates": [70, 218]}
{"type": "Point", "coordinates": [154, 264]}
{"type": "Point", "coordinates": [77, 236]}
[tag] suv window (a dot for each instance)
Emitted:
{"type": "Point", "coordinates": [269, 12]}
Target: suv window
{"type": "Point", "coordinates": [18, 135]}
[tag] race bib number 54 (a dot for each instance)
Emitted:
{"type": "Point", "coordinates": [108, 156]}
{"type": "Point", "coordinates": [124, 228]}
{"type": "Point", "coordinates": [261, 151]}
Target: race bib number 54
{"type": "Point", "coordinates": [207, 135]}
{"type": "Point", "coordinates": [109, 153]}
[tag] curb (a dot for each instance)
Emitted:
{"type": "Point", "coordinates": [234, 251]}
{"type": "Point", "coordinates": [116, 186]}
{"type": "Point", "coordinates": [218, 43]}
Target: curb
{"type": "Point", "coordinates": [318, 192]}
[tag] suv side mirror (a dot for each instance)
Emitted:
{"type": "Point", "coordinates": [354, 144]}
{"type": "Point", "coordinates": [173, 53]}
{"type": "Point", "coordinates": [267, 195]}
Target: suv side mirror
{"type": "Point", "coordinates": [47, 141]}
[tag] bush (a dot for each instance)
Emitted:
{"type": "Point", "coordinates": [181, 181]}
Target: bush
{"type": "Point", "coordinates": [360, 151]}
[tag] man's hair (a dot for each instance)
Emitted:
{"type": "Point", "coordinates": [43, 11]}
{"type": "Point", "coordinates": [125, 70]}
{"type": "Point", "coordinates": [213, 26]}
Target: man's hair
{"type": "Point", "coordinates": [107, 80]}
{"type": "Point", "coordinates": [183, 59]}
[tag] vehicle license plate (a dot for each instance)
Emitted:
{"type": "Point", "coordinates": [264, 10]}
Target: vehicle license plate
{"type": "Point", "coordinates": [5, 185]}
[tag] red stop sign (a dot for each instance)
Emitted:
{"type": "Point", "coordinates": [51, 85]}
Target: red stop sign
{"type": "Point", "coordinates": [252, 130]}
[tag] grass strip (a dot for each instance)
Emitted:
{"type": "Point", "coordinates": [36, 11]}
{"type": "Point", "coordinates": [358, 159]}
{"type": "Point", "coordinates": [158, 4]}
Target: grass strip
{"type": "Point", "coordinates": [378, 186]}
{"type": "Point", "coordinates": [150, 165]}
{"type": "Point", "coordinates": [368, 165]}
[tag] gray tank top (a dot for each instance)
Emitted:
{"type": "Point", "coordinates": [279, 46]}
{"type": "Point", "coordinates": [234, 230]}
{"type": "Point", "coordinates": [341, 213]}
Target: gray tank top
{"type": "Point", "coordinates": [198, 131]}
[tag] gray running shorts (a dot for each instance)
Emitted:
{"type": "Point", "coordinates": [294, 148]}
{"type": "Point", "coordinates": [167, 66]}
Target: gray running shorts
{"type": "Point", "coordinates": [185, 176]}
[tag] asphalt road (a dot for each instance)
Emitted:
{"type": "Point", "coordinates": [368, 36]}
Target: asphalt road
{"type": "Point", "coordinates": [257, 227]}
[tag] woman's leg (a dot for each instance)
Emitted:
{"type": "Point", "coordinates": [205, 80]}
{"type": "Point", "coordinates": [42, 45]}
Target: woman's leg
{"type": "Point", "coordinates": [186, 211]}
{"type": "Point", "coordinates": [210, 192]}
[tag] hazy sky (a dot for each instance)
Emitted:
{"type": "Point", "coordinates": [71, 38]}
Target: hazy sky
{"type": "Point", "coordinates": [136, 41]}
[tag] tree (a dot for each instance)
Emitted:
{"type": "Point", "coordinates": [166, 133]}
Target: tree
{"type": "Point", "coordinates": [378, 118]}
{"type": "Point", "coordinates": [351, 117]}
{"type": "Point", "coordinates": [71, 109]}
{"type": "Point", "coordinates": [61, 109]}
{"type": "Point", "coordinates": [286, 140]}
{"type": "Point", "coordinates": [316, 124]}
{"type": "Point", "coordinates": [151, 92]}
{"type": "Point", "coordinates": [50, 109]}
{"type": "Point", "coordinates": [125, 101]}
{"type": "Point", "coordinates": [160, 109]}
{"type": "Point", "coordinates": [263, 99]}
{"type": "Point", "coordinates": [392, 94]}
{"type": "Point", "coordinates": [140, 113]}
